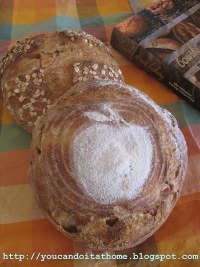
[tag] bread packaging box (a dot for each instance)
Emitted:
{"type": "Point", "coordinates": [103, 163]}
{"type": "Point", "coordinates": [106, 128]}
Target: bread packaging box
{"type": "Point", "coordinates": [164, 39]}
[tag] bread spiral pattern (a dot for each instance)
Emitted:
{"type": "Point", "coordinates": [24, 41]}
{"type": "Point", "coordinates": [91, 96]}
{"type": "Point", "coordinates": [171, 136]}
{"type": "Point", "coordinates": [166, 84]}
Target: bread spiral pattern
{"type": "Point", "coordinates": [121, 222]}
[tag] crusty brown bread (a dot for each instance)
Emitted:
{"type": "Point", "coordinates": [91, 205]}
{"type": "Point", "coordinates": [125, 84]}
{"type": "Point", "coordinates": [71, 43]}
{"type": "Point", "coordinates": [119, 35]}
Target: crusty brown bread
{"type": "Point", "coordinates": [184, 31]}
{"type": "Point", "coordinates": [163, 43]}
{"type": "Point", "coordinates": [98, 223]}
{"type": "Point", "coordinates": [162, 47]}
{"type": "Point", "coordinates": [39, 69]}
{"type": "Point", "coordinates": [133, 25]}
{"type": "Point", "coordinates": [162, 7]}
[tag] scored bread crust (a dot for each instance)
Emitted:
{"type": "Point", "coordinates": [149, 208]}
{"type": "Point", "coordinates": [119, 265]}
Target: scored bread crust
{"type": "Point", "coordinates": [123, 223]}
{"type": "Point", "coordinates": [163, 43]}
{"type": "Point", "coordinates": [185, 31]}
{"type": "Point", "coordinates": [39, 69]}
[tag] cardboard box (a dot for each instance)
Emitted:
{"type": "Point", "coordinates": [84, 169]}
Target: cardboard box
{"type": "Point", "coordinates": [164, 39]}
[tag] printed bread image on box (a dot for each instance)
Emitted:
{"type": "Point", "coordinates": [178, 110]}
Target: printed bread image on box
{"type": "Point", "coordinates": [164, 39]}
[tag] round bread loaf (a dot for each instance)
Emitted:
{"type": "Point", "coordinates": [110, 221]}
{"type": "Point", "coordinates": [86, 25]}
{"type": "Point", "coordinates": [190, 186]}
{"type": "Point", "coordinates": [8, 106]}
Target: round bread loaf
{"type": "Point", "coordinates": [108, 164]}
{"type": "Point", "coordinates": [39, 69]}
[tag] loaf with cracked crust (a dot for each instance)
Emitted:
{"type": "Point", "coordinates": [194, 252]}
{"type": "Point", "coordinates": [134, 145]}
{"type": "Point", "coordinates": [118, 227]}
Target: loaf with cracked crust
{"type": "Point", "coordinates": [107, 164]}
{"type": "Point", "coordinates": [39, 69]}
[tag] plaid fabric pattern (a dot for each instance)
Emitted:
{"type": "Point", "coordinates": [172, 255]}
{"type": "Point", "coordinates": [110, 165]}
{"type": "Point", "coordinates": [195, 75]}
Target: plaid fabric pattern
{"type": "Point", "coordinates": [23, 228]}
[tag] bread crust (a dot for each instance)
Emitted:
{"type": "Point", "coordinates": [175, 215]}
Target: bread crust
{"type": "Point", "coordinates": [162, 7]}
{"type": "Point", "coordinates": [123, 223]}
{"type": "Point", "coordinates": [196, 18]}
{"type": "Point", "coordinates": [39, 69]}
{"type": "Point", "coordinates": [133, 26]}
{"type": "Point", "coordinates": [184, 31]}
{"type": "Point", "coordinates": [164, 43]}
{"type": "Point", "coordinates": [163, 47]}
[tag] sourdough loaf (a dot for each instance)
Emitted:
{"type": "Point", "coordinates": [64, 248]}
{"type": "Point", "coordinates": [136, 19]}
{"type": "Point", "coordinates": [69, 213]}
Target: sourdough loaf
{"type": "Point", "coordinates": [108, 164]}
{"type": "Point", "coordinates": [39, 69]}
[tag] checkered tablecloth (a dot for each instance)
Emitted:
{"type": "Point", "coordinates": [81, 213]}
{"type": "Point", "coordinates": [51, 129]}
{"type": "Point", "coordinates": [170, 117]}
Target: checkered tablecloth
{"type": "Point", "coordinates": [23, 228]}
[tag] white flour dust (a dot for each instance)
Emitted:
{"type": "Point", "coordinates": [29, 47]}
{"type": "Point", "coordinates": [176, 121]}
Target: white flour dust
{"type": "Point", "coordinates": [111, 162]}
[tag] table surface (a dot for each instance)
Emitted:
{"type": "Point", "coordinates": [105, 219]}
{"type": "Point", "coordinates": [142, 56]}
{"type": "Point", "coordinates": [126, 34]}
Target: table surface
{"type": "Point", "coordinates": [23, 228]}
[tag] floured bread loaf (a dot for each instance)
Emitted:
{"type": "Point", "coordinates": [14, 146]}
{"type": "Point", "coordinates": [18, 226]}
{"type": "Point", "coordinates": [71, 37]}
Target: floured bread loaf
{"type": "Point", "coordinates": [39, 69]}
{"type": "Point", "coordinates": [108, 164]}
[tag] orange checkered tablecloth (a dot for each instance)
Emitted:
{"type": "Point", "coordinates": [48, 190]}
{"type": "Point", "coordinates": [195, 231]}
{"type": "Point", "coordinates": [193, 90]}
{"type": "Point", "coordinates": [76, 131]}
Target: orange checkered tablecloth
{"type": "Point", "coordinates": [23, 228]}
